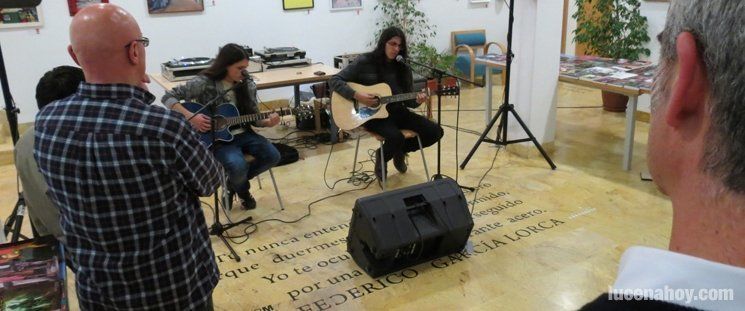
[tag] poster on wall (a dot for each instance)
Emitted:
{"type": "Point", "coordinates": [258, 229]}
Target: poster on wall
{"type": "Point", "coordinates": [297, 4]}
{"type": "Point", "coordinates": [338, 5]}
{"type": "Point", "coordinates": [21, 17]}
{"type": "Point", "coordinates": [76, 5]}
{"type": "Point", "coordinates": [173, 6]}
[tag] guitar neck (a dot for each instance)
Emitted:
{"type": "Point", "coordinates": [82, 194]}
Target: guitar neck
{"type": "Point", "coordinates": [256, 116]}
{"type": "Point", "coordinates": [398, 98]}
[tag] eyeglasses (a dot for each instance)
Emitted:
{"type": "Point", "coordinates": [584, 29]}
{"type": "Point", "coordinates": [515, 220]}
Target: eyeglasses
{"type": "Point", "coordinates": [394, 44]}
{"type": "Point", "coordinates": [144, 40]}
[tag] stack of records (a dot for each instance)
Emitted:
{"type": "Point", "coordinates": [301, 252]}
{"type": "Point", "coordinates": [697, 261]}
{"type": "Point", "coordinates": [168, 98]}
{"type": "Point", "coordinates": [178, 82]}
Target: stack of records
{"type": "Point", "coordinates": [32, 276]}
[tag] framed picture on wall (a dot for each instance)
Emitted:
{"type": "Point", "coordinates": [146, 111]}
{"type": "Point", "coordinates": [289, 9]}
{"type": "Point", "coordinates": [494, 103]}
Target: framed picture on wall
{"type": "Point", "coordinates": [76, 5]}
{"type": "Point", "coordinates": [174, 6]}
{"type": "Point", "coordinates": [297, 4]}
{"type": "Point", "coordinates": [338, 5]}
{"type": "Point", "coordinates": [21, 17]}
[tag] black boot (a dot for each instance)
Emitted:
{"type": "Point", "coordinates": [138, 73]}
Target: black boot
{"type": "Point", "coordinates": [247, 201]}
{"type": "Point", "coordinates": [399, 161]}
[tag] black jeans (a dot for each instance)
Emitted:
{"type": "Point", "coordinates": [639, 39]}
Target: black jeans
{"type": "Point", "coordinates": [401, 118]}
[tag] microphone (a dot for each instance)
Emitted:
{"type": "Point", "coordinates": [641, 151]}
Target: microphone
{"type": "Point", "coordinates": [402, 60]}
{"type": "Point", "coordinates": [246, 75]}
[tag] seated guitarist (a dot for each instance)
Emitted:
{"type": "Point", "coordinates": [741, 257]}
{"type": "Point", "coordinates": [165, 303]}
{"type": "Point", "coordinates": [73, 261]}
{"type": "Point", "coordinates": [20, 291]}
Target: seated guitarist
{"type": "Point", "coordinates": [223, 74]}
{"type": "Point", "coordinates": [380, 66]}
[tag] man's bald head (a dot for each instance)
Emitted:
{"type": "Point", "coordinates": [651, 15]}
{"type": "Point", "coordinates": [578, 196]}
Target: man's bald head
{"type": "Point", "coordinates": [103, 42]}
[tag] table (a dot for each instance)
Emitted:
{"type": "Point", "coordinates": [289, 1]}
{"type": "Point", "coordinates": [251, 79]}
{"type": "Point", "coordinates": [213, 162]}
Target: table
{"type": "Point", "coordinates": [273, 78]}
{"type": "Point", "coordinates": [618, 76]}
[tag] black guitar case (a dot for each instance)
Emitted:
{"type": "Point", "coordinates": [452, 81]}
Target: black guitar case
{"type": "Point", "coordinates": [287, 154]}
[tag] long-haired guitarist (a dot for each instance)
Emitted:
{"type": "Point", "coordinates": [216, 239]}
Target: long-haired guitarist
{"type": "Point", "coordinates": [223, 74]}
{"type": "Point", "coordinates": [380, 66]}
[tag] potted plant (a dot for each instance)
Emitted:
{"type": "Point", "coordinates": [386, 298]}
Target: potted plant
{"type": "Point", "coordinates": [428, 55]}
{"type": "Point", "coordinates": [613, 29]}
{"type": "Point", "coordinates": [405, 15]}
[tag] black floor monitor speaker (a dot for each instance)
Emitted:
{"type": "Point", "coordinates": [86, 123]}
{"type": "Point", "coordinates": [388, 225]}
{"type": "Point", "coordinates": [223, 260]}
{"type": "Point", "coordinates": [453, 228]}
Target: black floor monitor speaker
{"type": "Point", "coordinates": [401, 228]}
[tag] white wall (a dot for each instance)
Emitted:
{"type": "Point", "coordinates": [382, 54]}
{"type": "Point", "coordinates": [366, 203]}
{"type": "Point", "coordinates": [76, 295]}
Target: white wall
{"type": "Point", "coordinates": [537, 44]}
{"type": "Point", "coordinates": [656, 13]}
{"type": "Point", "coordinates": [258, 23]}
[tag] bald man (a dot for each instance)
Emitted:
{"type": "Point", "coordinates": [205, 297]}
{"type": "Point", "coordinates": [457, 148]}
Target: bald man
{"type": "Point", "coordinates": [126, 176]}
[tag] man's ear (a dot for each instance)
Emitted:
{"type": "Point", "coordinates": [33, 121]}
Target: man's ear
{"type": "Point", "coordinates": [72, 54]}
{"type": "Point", "coordinates": [133, 53]}
{"type": "Point", "coordinates": [690, 86]}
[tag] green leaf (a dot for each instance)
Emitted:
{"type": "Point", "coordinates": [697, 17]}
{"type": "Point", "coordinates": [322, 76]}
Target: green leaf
{"type": "Point", "coordinates": [615, 29]}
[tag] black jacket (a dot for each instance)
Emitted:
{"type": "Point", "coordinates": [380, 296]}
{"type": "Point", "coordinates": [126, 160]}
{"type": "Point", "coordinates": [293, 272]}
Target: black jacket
{"type": "Point", "coordinates": [366, 70]}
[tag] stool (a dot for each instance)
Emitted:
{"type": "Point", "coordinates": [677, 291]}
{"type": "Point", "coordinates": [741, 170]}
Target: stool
{"type": "Point", "coordinates": [228, 197]}
{"type": "Point", "coordinates": [407, 134]}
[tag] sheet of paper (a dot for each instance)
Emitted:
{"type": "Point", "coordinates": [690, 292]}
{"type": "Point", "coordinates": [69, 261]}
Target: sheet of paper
{"type": "Point", "coordinates": [623, 75]}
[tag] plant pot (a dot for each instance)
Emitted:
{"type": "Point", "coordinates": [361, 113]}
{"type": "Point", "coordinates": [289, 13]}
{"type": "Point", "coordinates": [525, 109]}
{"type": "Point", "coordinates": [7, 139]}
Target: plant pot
{"type": "Point", "coordinates": [614, 102]}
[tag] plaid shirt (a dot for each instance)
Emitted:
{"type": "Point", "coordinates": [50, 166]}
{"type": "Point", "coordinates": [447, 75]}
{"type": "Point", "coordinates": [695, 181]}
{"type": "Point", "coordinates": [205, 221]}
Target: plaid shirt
{"type": "Point", "coordinates": [126, 176]}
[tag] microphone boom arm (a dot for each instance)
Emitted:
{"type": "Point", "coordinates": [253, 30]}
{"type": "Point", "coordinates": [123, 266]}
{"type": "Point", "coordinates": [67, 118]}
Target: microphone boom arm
{"type": "Point", "coordinates": [438, 73]}
{"type": "Point", "coordinates": [219, 95]}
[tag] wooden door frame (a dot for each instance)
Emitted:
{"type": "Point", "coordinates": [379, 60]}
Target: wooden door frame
{"type": "Point", "coordinates": [564, 27]}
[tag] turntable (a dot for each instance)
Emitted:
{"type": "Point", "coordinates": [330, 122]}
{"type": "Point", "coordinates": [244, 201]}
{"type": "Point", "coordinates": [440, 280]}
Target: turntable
{"type": "Point", "coordinates": [184, 68]}
{"type": "Point", "coordinates": [281, 53]}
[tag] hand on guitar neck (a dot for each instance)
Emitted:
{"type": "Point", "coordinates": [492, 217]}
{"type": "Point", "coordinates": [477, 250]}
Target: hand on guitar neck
{"type": "Point", "coordinates": [422, 97]}
{"type": "Point", "coordinates": [272, 120]}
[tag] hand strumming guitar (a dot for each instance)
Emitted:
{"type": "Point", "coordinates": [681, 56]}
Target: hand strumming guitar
{"type": "Point", "coordinates": [367, 99]}
{"type": "Point", "coordinates": [201, 123]}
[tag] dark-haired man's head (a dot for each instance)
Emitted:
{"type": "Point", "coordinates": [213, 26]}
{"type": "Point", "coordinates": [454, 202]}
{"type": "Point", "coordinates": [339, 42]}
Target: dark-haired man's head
{"type": "Point", "coordinates": [58, 83]}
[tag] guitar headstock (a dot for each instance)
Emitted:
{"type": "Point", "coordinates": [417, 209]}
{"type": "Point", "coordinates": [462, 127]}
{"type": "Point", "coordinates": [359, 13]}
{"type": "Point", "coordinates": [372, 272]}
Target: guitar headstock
{"type": "Point", "coordinates": [449, 91]}
{"type": "Point", "coordinates": [303, 112]}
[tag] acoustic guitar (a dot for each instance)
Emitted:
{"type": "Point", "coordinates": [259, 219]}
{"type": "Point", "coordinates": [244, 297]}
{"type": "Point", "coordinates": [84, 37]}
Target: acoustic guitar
{"type": "Point", "coordinates": [226, 116]}
{"type": "Point", "coordinates": [349, 114]}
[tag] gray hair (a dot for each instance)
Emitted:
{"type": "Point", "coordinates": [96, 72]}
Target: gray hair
{"type": "Point", "coordinates": [719, 29]}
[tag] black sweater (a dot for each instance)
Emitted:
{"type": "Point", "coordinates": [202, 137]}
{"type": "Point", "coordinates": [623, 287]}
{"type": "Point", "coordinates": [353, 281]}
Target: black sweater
{"type": "Point", "coordinates": [366, 71]}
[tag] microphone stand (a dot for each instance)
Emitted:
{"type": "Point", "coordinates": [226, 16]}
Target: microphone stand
{"type": "Point", "coordinates": [439, 74]}
{"type": "Point", "coordinates": [15, 220]}
{"type": "Point", "coordinates": [505, 109]}
{"type": "Point", "coordinates": [217, 228]}
{"type": "Point", "coordinates": [211, 103]}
